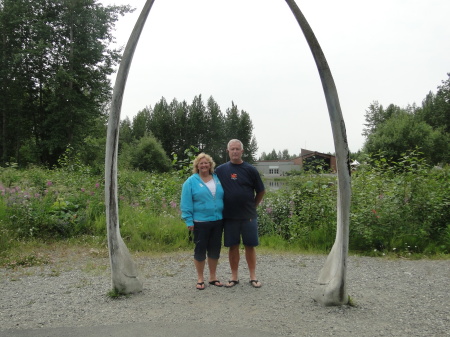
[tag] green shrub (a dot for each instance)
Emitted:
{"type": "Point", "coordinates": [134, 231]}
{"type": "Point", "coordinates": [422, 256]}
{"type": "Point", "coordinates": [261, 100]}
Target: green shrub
{"type": "Point", "coordinates": [149, 155]}
{"type": "Point", "coordinates": [304, 213]}
{"type": "Point", "coordinates": [397, 207]}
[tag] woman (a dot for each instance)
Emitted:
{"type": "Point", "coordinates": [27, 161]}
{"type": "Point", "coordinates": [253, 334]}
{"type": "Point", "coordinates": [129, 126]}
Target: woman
{"type": "Point", "coordinates": [201, 209]}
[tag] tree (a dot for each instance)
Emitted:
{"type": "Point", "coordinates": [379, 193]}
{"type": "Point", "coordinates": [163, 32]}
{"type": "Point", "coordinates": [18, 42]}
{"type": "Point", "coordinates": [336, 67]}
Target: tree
{"type": "Point", "coordinates": [253, 149]}
{"type": "Point", "coordinates": [215, 132]}
{"type": "Point", "coordinates": [404, 132]}
{"type": "Point", "coordinates": [232, 123]}
{"type": "Point", "coordinates": [272, 156]}
{"type": "Point", "coordinates": [198, 124]}
{"type": "Point", "coordinates": [179, 125]}
{"type": "Point", "coordinates": [141, 123]}
{"type": "Point", "coordinates": [148, 155]}
{"type": "Point", "coordinates": [55, 63]}
{"type": "Point", "coordinates": [180, 115]}
{"type": "Point", "coordinates": [125, 133]}
{"type": "Point", "coordinates": [245, 136]}
{"type": "Point", "coordinates": [442, 106]}
{"type": "Point", "coordinates": [436, 107]}
{"type": "Point", "coordinates": [92, 151]}
{"type": "Point", "coordinates": [238, 125]}
{"type": "Point", "coordinates": [395, 130]}
{"type": "Point", "coordinates": [377, 115]}
{"type": "Point", "coordinates": [162, 126]}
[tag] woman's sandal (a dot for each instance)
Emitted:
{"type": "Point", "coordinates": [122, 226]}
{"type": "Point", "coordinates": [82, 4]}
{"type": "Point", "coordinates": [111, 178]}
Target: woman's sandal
{"type": "Point", "coordinates": [254, 283]}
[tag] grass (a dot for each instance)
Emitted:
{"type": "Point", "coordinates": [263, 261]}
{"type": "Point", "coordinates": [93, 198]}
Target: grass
{"type": "Point", "coordinates": [32, 253]}
{"type": "Point", "coordinates": [44, 207]}
{"type": "Point", "coordinates": [351, 302]}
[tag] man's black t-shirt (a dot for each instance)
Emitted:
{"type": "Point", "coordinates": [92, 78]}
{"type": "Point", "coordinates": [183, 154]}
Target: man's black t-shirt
{"type": "Point", "coordinates": [240, 182]}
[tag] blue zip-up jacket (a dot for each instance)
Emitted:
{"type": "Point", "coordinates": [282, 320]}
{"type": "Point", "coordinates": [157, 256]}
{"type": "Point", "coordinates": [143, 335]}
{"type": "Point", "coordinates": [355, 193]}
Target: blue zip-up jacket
{"type": "Point", "coordinates": [197, 201]}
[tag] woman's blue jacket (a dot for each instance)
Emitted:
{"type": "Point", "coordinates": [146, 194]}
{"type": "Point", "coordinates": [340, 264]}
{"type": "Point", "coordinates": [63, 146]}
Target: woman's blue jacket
{"type": "Point", "coordinates": [197, 201]}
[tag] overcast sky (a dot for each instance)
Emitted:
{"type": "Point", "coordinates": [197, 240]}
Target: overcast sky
{"type": "Point", "coordinates": [253, 53]}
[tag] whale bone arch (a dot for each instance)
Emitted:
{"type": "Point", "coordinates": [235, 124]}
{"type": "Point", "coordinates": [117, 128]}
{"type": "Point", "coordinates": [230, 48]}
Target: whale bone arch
{"type": "Point", "coordinates": [332, 286]}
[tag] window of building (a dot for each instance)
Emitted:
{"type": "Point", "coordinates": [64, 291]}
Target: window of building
{"type": "Point", "coordinates": [274, 170]}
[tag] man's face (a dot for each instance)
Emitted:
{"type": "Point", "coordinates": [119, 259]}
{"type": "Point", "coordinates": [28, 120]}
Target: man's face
{"type": "Point", "coordinates": [235, 152]}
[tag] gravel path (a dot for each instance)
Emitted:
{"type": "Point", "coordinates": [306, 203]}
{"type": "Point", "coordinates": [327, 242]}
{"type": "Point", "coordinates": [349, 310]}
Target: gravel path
{"type": "Point", "coordinates": [393, 297]}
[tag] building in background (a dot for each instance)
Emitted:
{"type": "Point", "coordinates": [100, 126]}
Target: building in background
{"type": "Point", "coordinates": [308, 160]}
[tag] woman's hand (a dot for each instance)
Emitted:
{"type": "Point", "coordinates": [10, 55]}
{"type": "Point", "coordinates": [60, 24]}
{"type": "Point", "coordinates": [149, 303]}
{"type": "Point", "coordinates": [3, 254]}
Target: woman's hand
{"type": "Point", "coordinates": [191, 228]}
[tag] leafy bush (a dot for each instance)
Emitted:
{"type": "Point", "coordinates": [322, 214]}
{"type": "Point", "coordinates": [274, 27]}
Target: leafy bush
{"type": "Point", "coordinates": [49, 204]}
{"type": "Point", "coordinates": [396, 207]}
{"type": "Point", "coordinates": [304, 213]}
{"type": "Point", "coordinates": [400, 207]}
{"type": "Point", "coordinates": [149, 155]}
{"type": "Point", "coordinates": [400, 204]}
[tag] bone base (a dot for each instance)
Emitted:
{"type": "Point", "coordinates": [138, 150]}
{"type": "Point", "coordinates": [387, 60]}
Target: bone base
{"type": "Point", "coordinates": [124, 273]}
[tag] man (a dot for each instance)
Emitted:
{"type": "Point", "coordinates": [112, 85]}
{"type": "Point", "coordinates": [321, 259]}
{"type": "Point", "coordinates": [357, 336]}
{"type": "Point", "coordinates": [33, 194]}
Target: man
{"type": "Point", "coordinates": [244, 190]}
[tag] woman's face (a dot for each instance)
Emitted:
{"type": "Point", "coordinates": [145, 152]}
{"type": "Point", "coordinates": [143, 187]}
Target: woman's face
{"type": "Point", "coordinates": [203, 166]}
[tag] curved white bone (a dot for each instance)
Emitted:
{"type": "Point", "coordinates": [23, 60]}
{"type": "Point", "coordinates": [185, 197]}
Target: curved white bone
{"type": "Point", "coordinates": [332, 288]}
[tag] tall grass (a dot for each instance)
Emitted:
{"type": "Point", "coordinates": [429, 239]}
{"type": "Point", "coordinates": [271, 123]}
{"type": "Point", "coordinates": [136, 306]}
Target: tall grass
{"type": "Point", "coordinates": [145, 231]}
{"type": "Point", "coordinates": [397, 207]}
{"type": "Point", "coordinates": [400, 208]}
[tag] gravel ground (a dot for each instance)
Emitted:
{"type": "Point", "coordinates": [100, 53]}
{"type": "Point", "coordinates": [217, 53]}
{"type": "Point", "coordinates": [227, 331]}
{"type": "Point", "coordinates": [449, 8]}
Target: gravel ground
{"type": "Point", "coordinates": [393, 297]}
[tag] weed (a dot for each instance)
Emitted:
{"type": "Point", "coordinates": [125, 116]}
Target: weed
{"type": "Point", "coordinates": [116, 294]}
{"type": "Point", "coordinates": [398, 209]}
{"type": "Point", "coordinates": [351, 302]}
{"type": "Point", "coordinates": [27, 261]}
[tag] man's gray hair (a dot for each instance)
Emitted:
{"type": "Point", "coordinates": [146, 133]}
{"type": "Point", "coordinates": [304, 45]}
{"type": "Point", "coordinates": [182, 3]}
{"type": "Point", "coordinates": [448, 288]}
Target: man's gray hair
{"type": "Point", "coordinates": [235, 141]}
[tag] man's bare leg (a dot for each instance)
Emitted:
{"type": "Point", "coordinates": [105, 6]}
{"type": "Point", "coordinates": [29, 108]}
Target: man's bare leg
{"type": "Point", "coordinates": [234, 257]}
{"type": "Point", "coordinates": [250, 255]}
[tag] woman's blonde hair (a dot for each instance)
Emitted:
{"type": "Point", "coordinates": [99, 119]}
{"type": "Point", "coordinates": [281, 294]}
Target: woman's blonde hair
{"type": "Point", "coordinates": [200, 157]}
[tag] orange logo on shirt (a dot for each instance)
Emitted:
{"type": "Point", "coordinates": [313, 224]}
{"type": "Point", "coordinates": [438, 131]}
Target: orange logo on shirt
{"type": "Point", "coordinates": [234, 176]}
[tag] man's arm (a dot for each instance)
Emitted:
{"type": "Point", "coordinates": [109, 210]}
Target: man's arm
{"type": "Point", "coordinates": [258, 197]}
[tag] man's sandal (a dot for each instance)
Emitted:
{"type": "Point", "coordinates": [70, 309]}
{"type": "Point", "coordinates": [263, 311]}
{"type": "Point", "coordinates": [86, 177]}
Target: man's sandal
{"type": "Point", "coordinates": [254, 283]}
{"type": "Point", "coordinates": [202, 284]}
{"type": "Point", "coordinates": [231, 283]}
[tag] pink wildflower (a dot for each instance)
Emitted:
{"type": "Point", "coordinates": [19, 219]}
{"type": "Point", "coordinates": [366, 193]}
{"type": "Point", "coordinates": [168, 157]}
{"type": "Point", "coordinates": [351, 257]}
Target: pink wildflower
{"type": "Point", "coordinates": [375, 212]}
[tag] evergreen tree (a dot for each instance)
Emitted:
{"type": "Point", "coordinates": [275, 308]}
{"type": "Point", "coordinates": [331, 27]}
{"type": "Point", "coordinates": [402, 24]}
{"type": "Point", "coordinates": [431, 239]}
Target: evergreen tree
{"type": "Point", "coordinates": [125, 133]}
{"type": "Point", "coordinates": [180, 113]}
{"type": "Point", "coordinates": [179, 126]}
{"type": "Point", "coordinates": [141, 123]}
{"type": "Point", "coordinates": [435, 108]}
{"type": "Point", "coordinates": [55, 63]}
{"type": "Point", "coordinates": [253, 149]}
{"type": "Point", "coordinates": [215, 133]}
{"type": "Point", "coordinates": [377, 115]}
{"type": "Point", "coordinates": [197, 124]}
{"type": "Point", "coordinates": [238, 125]}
